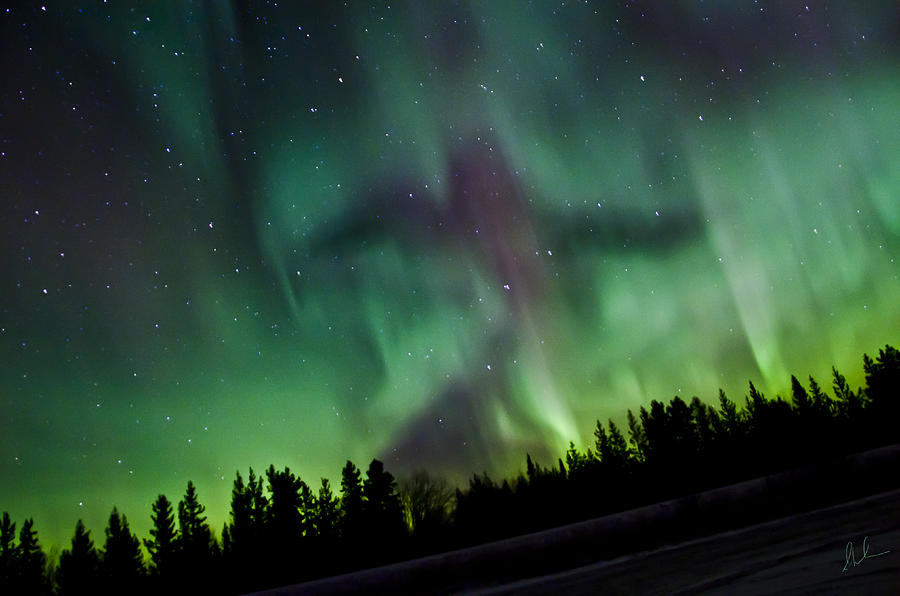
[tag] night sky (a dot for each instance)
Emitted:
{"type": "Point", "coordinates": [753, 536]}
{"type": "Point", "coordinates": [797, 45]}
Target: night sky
{"type": "Point", "coordinates": [439, 233]}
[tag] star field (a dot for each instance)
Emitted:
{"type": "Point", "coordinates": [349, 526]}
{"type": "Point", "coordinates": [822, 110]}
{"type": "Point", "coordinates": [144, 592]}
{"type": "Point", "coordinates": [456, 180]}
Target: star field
{"type": "Point", "coordinates": [443, 233]}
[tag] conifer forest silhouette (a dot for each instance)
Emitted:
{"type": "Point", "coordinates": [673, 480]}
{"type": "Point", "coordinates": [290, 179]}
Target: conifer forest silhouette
{"type": "Point", "coordinates": [280, 530]}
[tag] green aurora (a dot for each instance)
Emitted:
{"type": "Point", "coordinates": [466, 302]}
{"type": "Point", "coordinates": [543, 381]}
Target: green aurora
{"type": "Point", "coordinates": [442, 234]}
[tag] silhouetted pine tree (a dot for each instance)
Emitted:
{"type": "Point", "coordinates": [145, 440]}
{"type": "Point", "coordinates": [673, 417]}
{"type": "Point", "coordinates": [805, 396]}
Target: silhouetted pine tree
{"type": "Point", "coordinates": [660, 447]}
{"type": "Point", "coordinates": [672, 443]}
{"type": "Point", "coordinates": [822, 422]}
{"type": "Point", "coordinates": [733, 422]}
{"type": "Point", "coordinates": [534, 492]}
{"type": "Point", "coordinates": [162, 545]}
{"type": "Point", "coordinates": [383, 515]}
{"type": "Point", "coordinates": [285, 521]}
{"type": "Point", "coordinates": [578, 464]}
{"type": "Point", "coordinates": [883, 391]}
{"type": "Point", "coordinates": [613, 456]}
{"type": "Point", "coordinates": [32, 564]}
{"type": "Point", "coordinates": [882, 375]}
{"type": "Point", "coordinates": [619, 452]}
{"type": "Point", "coordinates": [478, 517]}
{"type": "Point", "coordinates": [122, 563]}
{"type": "Point", "coordinates": [800, 399]}
{"type": "Point", "coordinates": [9, 555]}
{"type": "Point", "coordinates": [579, 498]}
{"type": "Point", "coordinates": [531, 469]}
{"type": "Point", "coordinates": [822, 406]}
{"type": "Point", "coordinates": [351, 523]}
{"type": "Point", "coordinates": [730, 436]}
{"type": "Point", "coordinates": [636, 437]}
{"type": "Point", "coordinates": [800, 440]}
{"type": "Point", "coordinates": [22, 565]}
{"type": "Point", "coordinates": [327, 514]}
{"type": "Point", "coordinates": [850, 410]}
{"type": "Point", "coordinates": [243, 536]}
{"type": "Point", "coordinates": [682, 431]}
{"type": "Point", "coordinates": [79, 565]}
{"type": "Point", "coordinates": [307, 513]}
{"type": "Point", "coordinates": [488, 510]}
{"type": "Point", "coordinates": [704, 423]}
{"type": "Point", "coordinates": [770, 423]}
{"type": "Point", "coordinates": [198, 549]}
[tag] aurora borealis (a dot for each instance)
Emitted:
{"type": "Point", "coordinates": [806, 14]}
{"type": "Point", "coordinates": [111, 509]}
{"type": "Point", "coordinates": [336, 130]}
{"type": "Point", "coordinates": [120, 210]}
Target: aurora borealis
{"type": "Point", "coordinates": [439, 233]}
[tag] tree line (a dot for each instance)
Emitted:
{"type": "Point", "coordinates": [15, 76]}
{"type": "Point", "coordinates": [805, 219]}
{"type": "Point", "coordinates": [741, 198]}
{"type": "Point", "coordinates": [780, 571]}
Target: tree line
{"type": "Point", "coordinates": [281, 531]}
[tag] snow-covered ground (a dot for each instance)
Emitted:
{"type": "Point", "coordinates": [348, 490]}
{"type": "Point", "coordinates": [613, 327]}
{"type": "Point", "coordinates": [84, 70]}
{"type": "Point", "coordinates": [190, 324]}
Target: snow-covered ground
{"type": "Point", "coordinates": [853, 548]}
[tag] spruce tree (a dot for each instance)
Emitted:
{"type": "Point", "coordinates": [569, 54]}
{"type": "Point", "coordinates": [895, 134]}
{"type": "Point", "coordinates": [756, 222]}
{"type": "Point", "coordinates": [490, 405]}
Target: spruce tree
{"type": "Point", "coordinates": [351, 501]}
{"type": "Point", "coordinates": [850, 403]}
{"type": "Point", "coordinates": [163, 542]}
{"type": "Point", "coordinates": [122, 564]}
{"type": "Point", "coordinates": [32, 565]}
{"type": "Point", "coordinates": [197, 547]}
{"type": "Point", "coordinates": [383, 515]}
{"type": "Point", "coordinates": [242, 537]}
{"type": "Point", "coordinates": [327, 512]}
{"type": "Point", "coordinates": [800, 398]}
{"type": "Point", "coordinates": [9, 559]}
{"type": "Point", "coordinates": [618, 447]}
{"type": "Point", "coordinates": [284, 517]}
{"type": "Point", "coordinates": [78, 565]}
{"type": "Point", "coordinates": [194, 533]}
